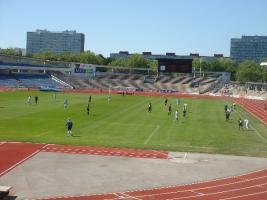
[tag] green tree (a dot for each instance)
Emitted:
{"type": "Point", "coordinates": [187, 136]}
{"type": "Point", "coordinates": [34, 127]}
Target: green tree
{"type": "Point", "coordinates": [137, 61]}
{"type": "Point", "coordinates": [249, 71]}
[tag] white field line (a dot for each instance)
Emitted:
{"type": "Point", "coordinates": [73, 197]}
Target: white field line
{"type": "Point", "coordinates": [41, 134]}
{"type": "Point", "coordinates": [152, 133]}
{"type": "Point", "coordinates": [209, 187]}
{"type": "Point", "coordinates": [18, 163]}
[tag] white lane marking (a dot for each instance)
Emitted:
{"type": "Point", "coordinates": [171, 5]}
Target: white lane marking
{"type": "Point", "coordinates": [21, 161]}
{"type": "Point", "coordinates": [152, 133]}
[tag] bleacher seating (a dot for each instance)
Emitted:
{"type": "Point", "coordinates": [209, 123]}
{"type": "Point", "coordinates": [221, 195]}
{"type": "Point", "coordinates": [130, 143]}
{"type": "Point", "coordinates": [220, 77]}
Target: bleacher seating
{"type": "Point", "coordinates": [180, 83]}
{"type": "Point", "coordinates": [8, 81]}
{"type": "Point", "coordinates": [28, 80]}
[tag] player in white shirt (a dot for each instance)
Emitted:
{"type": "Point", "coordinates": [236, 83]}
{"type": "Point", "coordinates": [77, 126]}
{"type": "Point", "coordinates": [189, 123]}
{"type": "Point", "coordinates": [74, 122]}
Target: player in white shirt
{"type": "Point", "coordinates": [246, 123]}
{"type": "Point", "coordinates": [29, 100]}
{"type": "Point", "coordinates": [176, 115]}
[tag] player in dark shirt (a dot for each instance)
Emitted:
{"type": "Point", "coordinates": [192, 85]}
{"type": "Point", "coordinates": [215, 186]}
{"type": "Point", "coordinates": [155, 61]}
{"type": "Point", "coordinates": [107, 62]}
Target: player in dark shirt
{"type": "Point", "coordinates": [88, 109]}
{"type": "Point", "coordinates": [240, 124]}
{"type": "Point", "coordinates": [166, 101]}
{"type": "Point", "coordinates": [149, 107]}
{"type": "Point", "coordinates": [225, 108]}
{"type": "Point", "coordinates": [69, 125]}
{"type": "Point", "coordinates": [170, 110]}
{"type": "Point", "coordinates": [184, 111]}
{"type": "Point", "coordinates": [36, 99]}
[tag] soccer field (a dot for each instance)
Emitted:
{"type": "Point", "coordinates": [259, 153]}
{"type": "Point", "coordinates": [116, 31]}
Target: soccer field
{"type": "Point", "coordinates": [125, 122]}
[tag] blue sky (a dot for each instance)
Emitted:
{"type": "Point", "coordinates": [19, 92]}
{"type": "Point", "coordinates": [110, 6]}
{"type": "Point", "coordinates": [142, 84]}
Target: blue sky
{"type": "Point", "coordinates": [159, 26]}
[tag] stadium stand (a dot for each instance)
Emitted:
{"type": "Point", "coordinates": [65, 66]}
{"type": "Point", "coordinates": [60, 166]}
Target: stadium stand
{"type": "Point", "coordinates": [37, 73]}
{"type": "Point", "coordinates": [248, 89]}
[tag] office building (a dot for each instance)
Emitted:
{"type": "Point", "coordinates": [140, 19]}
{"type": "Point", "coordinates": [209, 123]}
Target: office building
{"type": "Point", "coordinates": [249, 48]}
{"type": "Point", "coordinates": [56, 42]}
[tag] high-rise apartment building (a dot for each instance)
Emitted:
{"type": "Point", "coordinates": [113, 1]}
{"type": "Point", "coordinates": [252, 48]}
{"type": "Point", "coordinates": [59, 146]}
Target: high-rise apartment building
{"type": "Point", "coordinates": [56, 42]}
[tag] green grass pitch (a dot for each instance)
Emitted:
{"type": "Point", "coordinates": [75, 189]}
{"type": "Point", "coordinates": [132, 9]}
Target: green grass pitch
{"type": "Point", "coordinates": [125, 122]}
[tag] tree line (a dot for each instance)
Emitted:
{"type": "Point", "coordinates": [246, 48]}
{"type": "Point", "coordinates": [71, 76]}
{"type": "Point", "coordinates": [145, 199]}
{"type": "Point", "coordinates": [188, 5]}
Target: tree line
{"type": "Point", "coordinates": [244, 72]}
{"type": "Point", "coordinates": [247, 71]}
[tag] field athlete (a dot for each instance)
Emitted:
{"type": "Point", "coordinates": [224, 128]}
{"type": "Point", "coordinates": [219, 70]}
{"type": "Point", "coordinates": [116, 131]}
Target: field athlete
{"type": "Point", "coordinates": [66, 104]}
{"type": "Point", "coordinates": [36, 99]}
{"type": "Point", "coordinates": [176, 115]}
{"type": "Point", "coordinates": [69, 125]}
{"type": "Point", "coordinates": [240, 124]}
{"type": "Point", "coordinates": [149, 109]}
{"type": "Point", "coordinates": [165, 101]}
{"type": "Point", "coordinates": [88, 109]}
{"type": "Point", "coordinates": [170, 110]}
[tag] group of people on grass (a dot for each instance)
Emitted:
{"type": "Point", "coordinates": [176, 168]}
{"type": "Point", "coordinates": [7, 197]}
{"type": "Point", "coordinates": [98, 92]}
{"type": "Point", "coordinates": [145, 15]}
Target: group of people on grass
{"type": "Point", "coordinates": [241, 123]}
{"type": "Point", "coordinates": [149, 108]}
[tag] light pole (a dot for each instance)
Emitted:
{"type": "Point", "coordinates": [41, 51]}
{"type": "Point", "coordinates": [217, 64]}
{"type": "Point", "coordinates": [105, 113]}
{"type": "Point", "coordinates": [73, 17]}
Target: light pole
{"type": "Point", "coordinates": [200, 67]}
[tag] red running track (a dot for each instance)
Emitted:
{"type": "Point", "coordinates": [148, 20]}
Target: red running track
{"type": "Point", "coordinates": [12, 154]}
{"type": "Point", "coordinates": [247, 187]}
{"type": "Point", "coordinates": [255, 107]}
{"type": "Point", "coordinates": [137, 153]}
{"type": "Point", "coordinates": [251, 186]}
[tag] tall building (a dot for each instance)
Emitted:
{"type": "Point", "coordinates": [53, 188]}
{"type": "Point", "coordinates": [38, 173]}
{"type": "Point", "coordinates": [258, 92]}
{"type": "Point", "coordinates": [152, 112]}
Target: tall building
{"type": "Point", "coordinates": [56, 42]}
{"type": "Point", "coordinates": [249, 48]}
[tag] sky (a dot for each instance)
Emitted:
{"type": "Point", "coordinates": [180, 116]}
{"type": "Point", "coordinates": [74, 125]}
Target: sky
{"type": "Point", "coordinates": [180, 26]}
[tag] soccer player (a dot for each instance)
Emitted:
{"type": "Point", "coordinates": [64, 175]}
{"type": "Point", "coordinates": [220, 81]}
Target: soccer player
{"type": "Point", "coordinates": [90, 99]}
{"type": "Point", "coordinates": [184, 111]}
{"type": "Point", "coordinates": [66, 104]}
{"type": "Point", "coordinates": [69, 125]}
{"type": "Point", "coordinates": [178, 101]}
{"type": "Point", "coordinates": [55, 96]}
{"type": "Point", "coordinates": [88, 109]}
{"type": "Point", "coordinates": [29, 100]}
{"type": "Point", "coordinates": [166, 101]}
{"type": "Point", "coordinates": [185, 106]}
{"type": "Point", "coordinates": [109, 99]}
{"type": "Point", "coordinates": [176, 115]}
{"type": "Point", "coordinates": [225, 108]}
{"type": "Point", "coordinates": [149, 108]}
{"type": "Point", "coordinates": [246, 123]}
{"type": "Point", "coordinates": [36, 100]}
{"type": "Point", "coordinates": [240, 124]}
{"type": "Point", "coordinates": [227, 114]}
{"type": "Point", "coordinates": [170, 110]}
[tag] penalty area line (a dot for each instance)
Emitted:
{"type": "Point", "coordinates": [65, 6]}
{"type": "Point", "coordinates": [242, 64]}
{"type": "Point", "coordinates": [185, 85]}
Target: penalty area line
{"type": "Point", "coordinates": [152, 133]}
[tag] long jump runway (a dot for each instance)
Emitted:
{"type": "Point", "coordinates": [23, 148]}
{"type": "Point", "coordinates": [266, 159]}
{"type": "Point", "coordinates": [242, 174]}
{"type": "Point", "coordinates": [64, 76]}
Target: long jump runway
{"type": "Point", "coordinates": [41, 171]}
